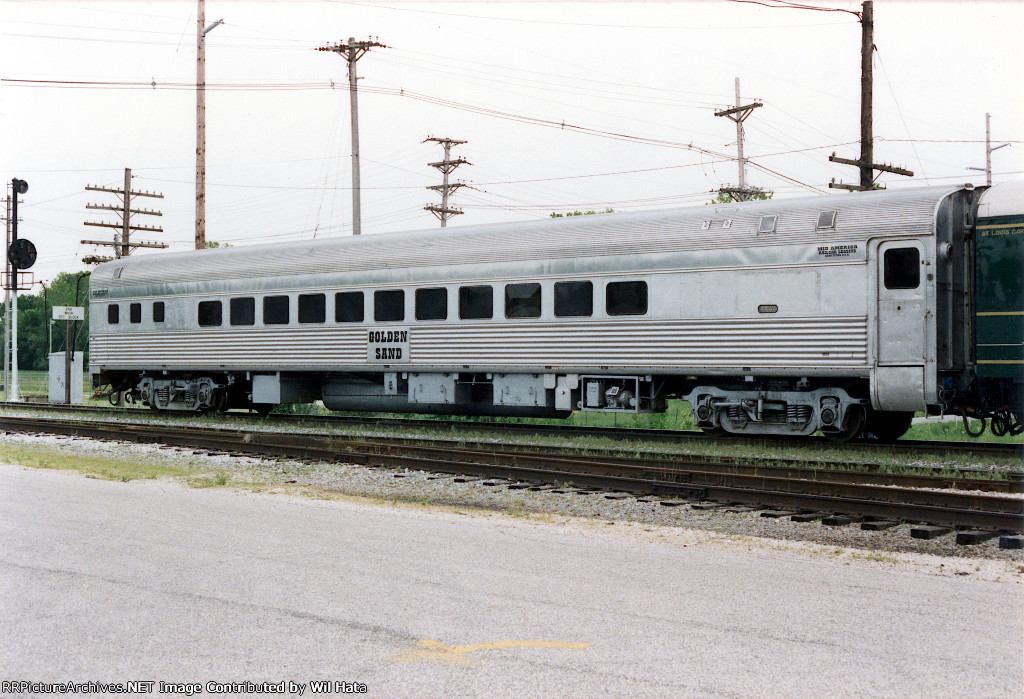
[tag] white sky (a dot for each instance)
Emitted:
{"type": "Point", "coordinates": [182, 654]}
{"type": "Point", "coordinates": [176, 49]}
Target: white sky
{"type": "Point", "coordinates": [278, 165]}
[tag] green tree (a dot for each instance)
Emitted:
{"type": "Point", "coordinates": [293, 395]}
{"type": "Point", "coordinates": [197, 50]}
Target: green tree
{"type": "Point", "coordinates": [34, 314]}
{"type": "Point", "coordinates": [728, 196]}
{"type": "Point", "coordinates": [577, 212]}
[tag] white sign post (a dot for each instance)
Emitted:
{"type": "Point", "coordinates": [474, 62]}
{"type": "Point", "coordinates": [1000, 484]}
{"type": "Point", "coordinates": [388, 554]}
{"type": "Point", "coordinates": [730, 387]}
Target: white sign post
{"type": "Point", "coordinates": [68, 314]}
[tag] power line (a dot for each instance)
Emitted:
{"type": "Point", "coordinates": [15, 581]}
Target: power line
{"type": "Point", "coordinates": [577, 24]}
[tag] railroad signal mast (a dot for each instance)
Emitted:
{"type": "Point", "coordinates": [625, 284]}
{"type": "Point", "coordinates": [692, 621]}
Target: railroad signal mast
{"type": "Point", "coordinates": [866, 163]}
{"type": "Point", "coordinates": [20, 254]}
{"type": "Point", "coordinates": [122, 243]}
{"type": "Point", "coordinates": [446, 166]}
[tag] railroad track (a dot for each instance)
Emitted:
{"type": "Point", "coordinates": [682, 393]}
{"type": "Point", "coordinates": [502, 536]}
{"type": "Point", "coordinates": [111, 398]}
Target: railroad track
{"type": "Point", "coordinates": [877, 500]}
{"type": "Point", "coordinates": [903, 446]}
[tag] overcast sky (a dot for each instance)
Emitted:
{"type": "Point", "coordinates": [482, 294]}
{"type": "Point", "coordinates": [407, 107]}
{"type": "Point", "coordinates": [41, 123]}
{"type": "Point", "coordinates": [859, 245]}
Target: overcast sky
{"type": "Point", "coordinates": [636, 86]}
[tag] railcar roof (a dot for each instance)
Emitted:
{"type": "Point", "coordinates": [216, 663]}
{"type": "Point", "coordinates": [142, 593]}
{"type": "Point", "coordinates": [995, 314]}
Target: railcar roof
{"type": "Point", "coordinates": [633, 233]}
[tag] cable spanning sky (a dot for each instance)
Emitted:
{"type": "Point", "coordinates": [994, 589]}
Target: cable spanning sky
{"type": "Point", "coordinates": [564, 105]}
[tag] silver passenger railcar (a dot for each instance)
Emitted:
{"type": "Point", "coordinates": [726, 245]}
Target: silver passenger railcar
{"type": "Point", "coordinates": [837, 313]}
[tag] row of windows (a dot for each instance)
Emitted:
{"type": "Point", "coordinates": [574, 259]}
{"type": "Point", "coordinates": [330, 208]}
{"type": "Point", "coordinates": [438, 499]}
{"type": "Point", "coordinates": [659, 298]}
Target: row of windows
{"type": "Point", "coordinates": [134, 313]}
{"type": "Point", "coordinates": [572, 299]}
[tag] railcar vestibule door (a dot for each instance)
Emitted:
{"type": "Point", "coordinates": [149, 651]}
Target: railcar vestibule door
{"type": "Point", "coordinates": [901, 303]}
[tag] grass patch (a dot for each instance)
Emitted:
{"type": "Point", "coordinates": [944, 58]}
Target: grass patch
{"type": "Point", "coordinates": [119, 468]}
{"type": "Point", "coordinates": [106, 467]}
{"type": "Point", "coordinates": [954, 432]}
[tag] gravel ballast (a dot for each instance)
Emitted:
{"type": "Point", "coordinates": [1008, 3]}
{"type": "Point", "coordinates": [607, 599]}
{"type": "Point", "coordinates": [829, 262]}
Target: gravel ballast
{"type": "Point", "coordinates": [423, 489]}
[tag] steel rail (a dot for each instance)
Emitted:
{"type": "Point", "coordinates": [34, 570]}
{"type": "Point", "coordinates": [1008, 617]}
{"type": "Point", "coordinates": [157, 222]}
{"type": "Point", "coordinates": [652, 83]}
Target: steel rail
{"type": "Point", "coordinates": [702, 481]}
{"type": "Point", "coordinates": [953, 449]}
{"type": "Point", "coordinates": [963, 478]}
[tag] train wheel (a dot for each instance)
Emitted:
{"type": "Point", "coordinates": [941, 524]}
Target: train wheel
{"type": "Point", "coordinates": [888, 426]}
{"type": "Point", "coordinates": [853, 425]}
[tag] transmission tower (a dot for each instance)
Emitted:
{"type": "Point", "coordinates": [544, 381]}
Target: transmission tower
{"type": "Point", "coordinates": [446, 166]}
{"type": "Point", "coordinates": [122, 243]}
{"type": "Point", "coordinates": [739, 114]}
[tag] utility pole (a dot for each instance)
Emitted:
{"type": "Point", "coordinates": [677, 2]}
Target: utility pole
{"type": "Point", "coordinates": [739, 113]}
{"type": "Point", "coordinates": [866, 164]}
{"type": "Point", "coordinates": [122, 243]}
{"type": "Point", "coordinates": [352, 52]}
{"type": "Point", "coordinates": [201, 31]}
{"type": "Point", "coordinates": [988, 150]}
{"type": "Point", "coordinates": [446, 166]}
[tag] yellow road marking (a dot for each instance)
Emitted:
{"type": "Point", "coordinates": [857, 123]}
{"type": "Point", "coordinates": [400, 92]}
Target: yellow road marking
{"type": "Point", "coordinates": [430, 651]}
{"type": "Point", "coordinates": [1002, 313]}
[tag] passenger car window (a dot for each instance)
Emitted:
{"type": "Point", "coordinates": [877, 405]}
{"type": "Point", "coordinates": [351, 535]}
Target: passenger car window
{"type": "Point", "coordinates": [431, 304]}
{"type": "Point", "coordinates": [902, 268]}
{"type": "Point", "coordinates": [348, 307]}
{"type": "Point", "coordinates": [389, 305]}
{"type": "Point", "coordinates": [275, 310]}
{"type": "Point", "coordinates": [626, 298]}
{"type": "Point", "coordinates": [476, 302]}
{"type": "Point", "coordinates": [158, 311]}
{"type": "Point", "coordinates": [243, 311]}
{"type": "Point", "coordinates": [135, 313]}
{"type": "Point", "coordinates": [113, 314]}
{"type": "Point", "coordinates": [522, 301]}
{"type": "Point", "coordinates": [574, 299]}
{"type": "Point", "coordinates": [312, 308]}
{"type": "Point", "coordinates": [209, 313]}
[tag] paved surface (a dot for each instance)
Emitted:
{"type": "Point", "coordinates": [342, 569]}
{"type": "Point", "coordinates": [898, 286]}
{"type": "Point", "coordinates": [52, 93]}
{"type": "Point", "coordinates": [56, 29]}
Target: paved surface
{"type": "Point", "coordinates": [111, 581]}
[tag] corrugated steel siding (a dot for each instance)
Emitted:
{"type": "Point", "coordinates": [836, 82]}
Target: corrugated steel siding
{"type": "Point", "coordinates": [566, 239]}
{"type": "Point", "coordinates": [675, 345]}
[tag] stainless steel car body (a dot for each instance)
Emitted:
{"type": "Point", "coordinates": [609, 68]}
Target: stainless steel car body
{"type": "Point", "coordinates": [734, 296]}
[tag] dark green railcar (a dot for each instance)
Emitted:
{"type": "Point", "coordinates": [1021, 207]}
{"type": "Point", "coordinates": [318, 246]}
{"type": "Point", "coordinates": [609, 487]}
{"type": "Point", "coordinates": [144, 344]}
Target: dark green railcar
{"type": "Point", "coordinates": [999, 284]}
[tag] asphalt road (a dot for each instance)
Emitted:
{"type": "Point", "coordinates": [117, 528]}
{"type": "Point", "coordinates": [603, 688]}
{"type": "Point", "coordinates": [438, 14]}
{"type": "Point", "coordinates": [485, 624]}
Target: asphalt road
{"type": "Point", "coordinates": [150, 581]}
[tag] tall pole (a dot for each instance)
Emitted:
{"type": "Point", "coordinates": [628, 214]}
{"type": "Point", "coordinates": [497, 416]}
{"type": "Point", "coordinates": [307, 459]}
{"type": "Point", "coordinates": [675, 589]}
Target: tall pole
{"type": "Point", "coordinates": [739, 141]}
{"type": "Point", "coordinates": [357, 216]}
{"type": "Point", "coordinates": [739, 114]}
{"type": "Point", "coordinates": [67, 361]}
{"type": "Point", "coordinates": [446, 166]}
{"type": "Point", "coordinates": [444, 180]}
{"type": "Point", "coordinates": [867, 155]}
{"type": "Point", "coordinates": [13, 395]}
{"type": "Point", "coordinates": [988, 149]}
{"type": "Point", "coordinates": [200, 127]}
{"type": "Point", "coordinates": [352, 52]}
{"type": "Point", "coordinates": [866, 163]}
{"type": "Point", "coordinates": [126, 215]}
{"type": "Point", "coordinates": [7, 307]}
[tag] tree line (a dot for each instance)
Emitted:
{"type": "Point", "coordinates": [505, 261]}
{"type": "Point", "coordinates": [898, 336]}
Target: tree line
{"type": "Point", "coordinates": [36, 335]}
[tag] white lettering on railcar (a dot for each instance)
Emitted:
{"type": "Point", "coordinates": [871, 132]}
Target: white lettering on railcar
{"type": "Point", "coordinates": [387, 346]}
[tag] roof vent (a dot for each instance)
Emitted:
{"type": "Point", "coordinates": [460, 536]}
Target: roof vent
{"type": "Point", "coordinates": [826, 220]}
{"type": "Point", "coordinates": [767, 224]}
